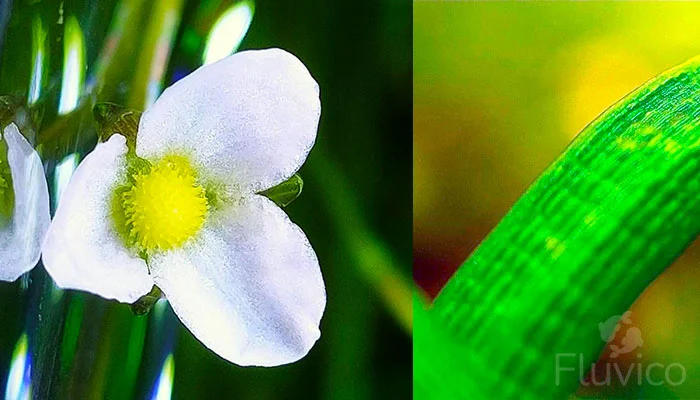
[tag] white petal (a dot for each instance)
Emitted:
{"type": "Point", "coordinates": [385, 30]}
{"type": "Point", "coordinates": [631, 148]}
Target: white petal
{"type": "Point", "coordinates": [249, 119]}
{"type": "Point", "coordinates": [82, 250]}
{"type": "Point", "coordinates": [249, 288]}
{"type": "Point", "coordinates": [20, 240]}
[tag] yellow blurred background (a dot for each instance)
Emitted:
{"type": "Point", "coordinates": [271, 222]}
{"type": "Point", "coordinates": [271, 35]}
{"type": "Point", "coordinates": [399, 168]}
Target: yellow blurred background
{"type": "Point", "coordinates": [500, 89]}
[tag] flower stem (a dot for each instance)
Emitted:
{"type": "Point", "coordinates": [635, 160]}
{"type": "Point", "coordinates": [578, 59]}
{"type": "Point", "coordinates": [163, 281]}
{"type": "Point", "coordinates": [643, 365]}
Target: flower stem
{"type": "Point", "coordinates": [155, 53]}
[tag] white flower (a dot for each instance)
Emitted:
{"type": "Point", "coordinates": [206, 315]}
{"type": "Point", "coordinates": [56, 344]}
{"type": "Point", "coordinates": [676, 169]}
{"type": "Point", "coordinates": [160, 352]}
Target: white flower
{"type": "Point", "coordinates": [24, 205]}
{"type": "Point", "coordinates": [238, 273]}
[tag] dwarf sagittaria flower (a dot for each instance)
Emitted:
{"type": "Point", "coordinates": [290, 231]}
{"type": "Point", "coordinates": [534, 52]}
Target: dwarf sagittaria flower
{"type": "Point", "coordinates": [180, 208]}
{"type": "Point", "coordinates": [24, 204]}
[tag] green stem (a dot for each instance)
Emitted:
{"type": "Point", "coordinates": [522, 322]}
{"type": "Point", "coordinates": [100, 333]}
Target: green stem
{"type": "Point", "coordinates": [120, 48]}
{"type": "Point", "coordinates": [582, 243]}
{"type": "Point", "coordinates": [155, 53]}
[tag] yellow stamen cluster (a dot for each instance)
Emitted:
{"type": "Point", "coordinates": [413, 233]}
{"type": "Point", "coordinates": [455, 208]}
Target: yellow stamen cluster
{"type": "Point", "coordinates": [164, 206]}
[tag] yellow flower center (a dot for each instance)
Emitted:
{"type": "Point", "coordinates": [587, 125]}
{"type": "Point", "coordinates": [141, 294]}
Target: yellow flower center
{"type": "Point", "coordinates": [165, 206]}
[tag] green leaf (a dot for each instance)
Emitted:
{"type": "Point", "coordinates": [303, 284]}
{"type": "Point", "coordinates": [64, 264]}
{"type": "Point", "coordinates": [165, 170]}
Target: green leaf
{"type": "Point", "coordinates": [286, 192]}
{"type": "Point", "coordinates": [602, 222]}
{"type": "Point", "coordinates": [111, 118]}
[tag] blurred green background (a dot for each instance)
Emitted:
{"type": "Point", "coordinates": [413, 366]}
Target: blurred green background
{"type": "Point", "coordinates": [355, 208]}
{"type": "Point", "coordinates": [500, 89]}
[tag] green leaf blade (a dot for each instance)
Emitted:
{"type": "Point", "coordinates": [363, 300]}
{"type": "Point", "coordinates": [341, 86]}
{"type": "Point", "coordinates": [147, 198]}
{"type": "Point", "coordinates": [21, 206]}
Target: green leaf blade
{"type": "Point", "coordinates": [604, 220]}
